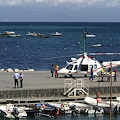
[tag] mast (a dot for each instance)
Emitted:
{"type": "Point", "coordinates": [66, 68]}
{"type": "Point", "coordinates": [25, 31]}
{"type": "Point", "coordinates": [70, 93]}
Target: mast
{"type": "Point", "coordinates": [110, 117]}
{"type": "Point", "coordinates": [84, 38]}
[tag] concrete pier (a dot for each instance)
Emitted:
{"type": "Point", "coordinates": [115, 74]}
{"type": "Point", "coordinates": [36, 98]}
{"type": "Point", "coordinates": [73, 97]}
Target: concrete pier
{"type": "Point", "coordinates": [39, 86]}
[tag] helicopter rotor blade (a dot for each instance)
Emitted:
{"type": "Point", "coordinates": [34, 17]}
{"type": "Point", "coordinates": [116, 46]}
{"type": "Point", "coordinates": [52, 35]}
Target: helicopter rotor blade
{"type": "Point", "coordinates": [59, 57]}
{"type": "Point", "coordinates": [104, 53]}
{"type": "Point", "coordinates": [79, 54]}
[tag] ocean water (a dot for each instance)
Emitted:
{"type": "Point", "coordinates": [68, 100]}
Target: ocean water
{"type": "Point", "coordinates": [28, 52]}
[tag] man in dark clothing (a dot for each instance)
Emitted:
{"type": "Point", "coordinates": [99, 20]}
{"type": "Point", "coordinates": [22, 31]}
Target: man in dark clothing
{"type": "Point", "coordinates": [52, 70]}
{"type": "Point", "coordinates": [91, 77]}
{"type": "Point", "coordinates": [115, 74]}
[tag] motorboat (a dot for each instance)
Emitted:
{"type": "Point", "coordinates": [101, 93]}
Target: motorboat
{"type": "Point", "coordinates": [64, 108]}
{"type": "Point", "coordinates": [34, 34]}
{"type": "Point", "coordinates": [11, 112]}
{"type": "Point", "coordinates": [12, 34]}
{"type": "Point", "coordinates": [56, 34]}
{"type": "Point", "coordinates": [86, 109]}
{"type": "Point", "coordinates": [47, 109]}
{"type": "Point", "coordinates": [18, 35]}
{"type": "Point", "coordinates": [7, 33]}
{"type": "Point", "coordinates": [90, 35]}
{"type": "Point", "coordinates": [29, 34]}
{"type": "Point", "coordinates": [96, 45]}
{"type": "Point", "coordinates": [105, 105]}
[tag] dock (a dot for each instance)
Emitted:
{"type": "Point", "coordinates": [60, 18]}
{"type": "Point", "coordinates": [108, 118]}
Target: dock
{"type": "Point", "coordinates": [39, 86]}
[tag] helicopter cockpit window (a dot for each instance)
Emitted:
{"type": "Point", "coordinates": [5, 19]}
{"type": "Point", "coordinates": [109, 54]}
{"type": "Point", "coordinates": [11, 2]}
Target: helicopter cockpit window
{"type": "Point", "coordinates": [95, 66]}
{"type": "Point", "coordinates": [69, 67]}
{"type": "Point", "coordinates": [76, 67]}
{"type": "Point", "coordinates": [84, 67]}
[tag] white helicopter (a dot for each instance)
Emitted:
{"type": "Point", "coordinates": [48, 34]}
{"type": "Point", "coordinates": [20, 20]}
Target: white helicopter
{"type": "Point", "coordinates": [84, 63]}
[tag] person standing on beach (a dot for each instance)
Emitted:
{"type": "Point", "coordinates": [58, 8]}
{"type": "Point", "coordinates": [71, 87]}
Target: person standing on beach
{"type": "Point", "coordinates": [56, 70]}
{"type": "Point", "coordinates": [16, 77]}
{"type": "Point", "coordinates": [52, 70]}
{"type": "Point", "coordinates": [21, 79]}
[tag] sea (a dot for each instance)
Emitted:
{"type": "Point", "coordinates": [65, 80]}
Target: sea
{"type": "Point", "coordinates": [30, 52]}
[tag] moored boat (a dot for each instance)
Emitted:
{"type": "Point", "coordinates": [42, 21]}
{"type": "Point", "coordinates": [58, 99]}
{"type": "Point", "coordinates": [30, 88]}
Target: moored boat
{"type": "Point", "coordinates": [56, 34]}
{"type": "Point", "coordinates": [47, 109]}
{"type": "Point", "coordinates": [18, 35]}
{"type": "Point", "coordinates": [34, 34]}
{"type": "Point", "coordinates": [96, 45]}
{"type": "Point", "coordinates": [90, 35]}
{"type": "Point", "coordinates": [10, 111]}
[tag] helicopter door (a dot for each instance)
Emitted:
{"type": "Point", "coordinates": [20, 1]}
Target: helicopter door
{"type": "Point", "coordinates": [84, 67]}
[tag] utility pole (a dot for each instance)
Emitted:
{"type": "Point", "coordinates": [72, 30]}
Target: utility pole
{"type": "Point", "coordinates": [84, 38]}
{"type": "Point", "coordinates": [110, 117]}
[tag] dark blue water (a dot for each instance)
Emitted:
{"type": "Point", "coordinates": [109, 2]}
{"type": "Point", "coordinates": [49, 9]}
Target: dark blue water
{"type": "Point", "coordinates": [34, 52]}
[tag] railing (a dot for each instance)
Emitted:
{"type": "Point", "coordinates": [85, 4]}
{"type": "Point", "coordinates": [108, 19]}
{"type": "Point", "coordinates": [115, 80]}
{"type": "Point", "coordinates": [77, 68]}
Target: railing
{"type": "Point", "coordinates": [74, 86]}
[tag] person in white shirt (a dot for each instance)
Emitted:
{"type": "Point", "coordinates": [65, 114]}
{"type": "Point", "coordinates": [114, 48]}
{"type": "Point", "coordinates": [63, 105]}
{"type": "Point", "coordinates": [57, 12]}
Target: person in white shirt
{"type": "Point", "coordinates": [21, 80]}
{"type": "Point", "coordinates": [16, 77]}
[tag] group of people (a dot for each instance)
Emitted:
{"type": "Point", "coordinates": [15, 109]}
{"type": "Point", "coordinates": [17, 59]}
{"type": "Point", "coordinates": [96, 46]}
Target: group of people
{"type": "Point", "coordinates": [17, 77]}
{"type": "Point", "coordinates": [103, 73]}
{"type": "Point", "coordinates": [54, 69]}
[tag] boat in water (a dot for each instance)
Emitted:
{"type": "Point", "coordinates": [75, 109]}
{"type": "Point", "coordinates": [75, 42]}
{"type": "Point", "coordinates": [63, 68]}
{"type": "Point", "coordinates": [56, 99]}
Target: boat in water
{"type": "Point", "coordinates": [7, 33]}
{"type": "Point", "coordinates": [96, 45]}
{"type": "Point", "coordinates": [11, 112]}
{"type": "Point", "coordinates": [56, 34]}
{"type": "Point", "coordinates": [90, 35]}
{"type": "Point", "coordinates": [35, 34]}
{"type": "Point", "coordinates": [105, 105]}
{"type": "Point", "coordinates": [17, 35]}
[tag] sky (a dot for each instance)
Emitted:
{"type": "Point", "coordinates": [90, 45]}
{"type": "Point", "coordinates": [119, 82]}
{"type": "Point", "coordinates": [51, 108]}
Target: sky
{"type": "Point", "coordinates": [59, 11]}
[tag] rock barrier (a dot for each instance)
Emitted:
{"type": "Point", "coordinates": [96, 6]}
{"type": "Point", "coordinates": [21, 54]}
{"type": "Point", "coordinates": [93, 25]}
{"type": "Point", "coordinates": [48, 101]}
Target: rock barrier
{"type": "Point", "coordinates": [16, 70]}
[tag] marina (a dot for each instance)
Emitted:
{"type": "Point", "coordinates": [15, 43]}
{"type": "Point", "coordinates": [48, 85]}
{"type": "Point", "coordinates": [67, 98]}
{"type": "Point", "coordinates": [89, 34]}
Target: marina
{"type": "Point", "coordinates": [40, 87]}
{"type": "Point", "coordinates": [36, 61]}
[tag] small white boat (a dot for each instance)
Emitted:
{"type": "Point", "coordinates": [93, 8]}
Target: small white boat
{"type": "Point", "coordinates": [118, 99]}
{"type": "Point", "coordinates": [9, 32]}
{"type": "Point", "coordinates": [97, 45]}
{"type": "Point", "coordinates": [63, 107]}
{"type": "Point", "coordinates": [104, 105]}
{"type": "Point", "coordinates": [11, 112]}
{"type": "Point", "coordinates": [18, 35]}
{"type": "Point", "coordinates": [90, 36]}
{"type": "Point", "coordinates": [86, 109]}
{"type": "Point", "coordinates": [56, 34]}
{"type": "Point", "coordinates": [34, 34]}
